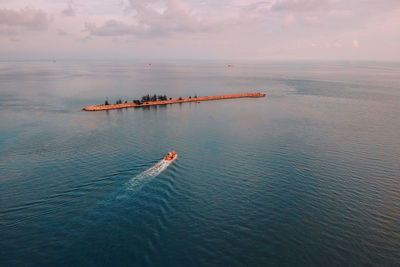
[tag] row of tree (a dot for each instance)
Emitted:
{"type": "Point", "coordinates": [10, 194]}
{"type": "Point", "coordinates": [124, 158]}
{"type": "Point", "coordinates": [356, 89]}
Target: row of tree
{"type": "Point", "coordinates": [146, 98]}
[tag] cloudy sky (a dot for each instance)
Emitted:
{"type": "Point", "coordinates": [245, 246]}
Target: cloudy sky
{"type": "Point", "coordinates": [201, 29]}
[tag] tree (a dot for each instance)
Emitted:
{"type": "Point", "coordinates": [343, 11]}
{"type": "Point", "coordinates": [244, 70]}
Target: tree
{"type": "Point", "coordinates": [195, 96]}
{"type": "Point", "coordinates": [154, 97]}
{"type": "Point", "coordinates": [190, 97]}
{"type": "Point", "coordinates": [106, 103]}
{"type": "Point", "coordinates": [180, 98]}
{"type": "Point", "coordinates": [145, 98]}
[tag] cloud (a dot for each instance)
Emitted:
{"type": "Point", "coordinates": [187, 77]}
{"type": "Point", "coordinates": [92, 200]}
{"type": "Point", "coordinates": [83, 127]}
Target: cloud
{"type": "Point", "coordinates": [297, 5]}
{"type": "Point", "coordinates": [340, 13]}
{"type": "Point", "coordinates": [255, 6]}
{"type": "Point", "coordinates": [61, 32]}
{"type": "Point", "coordinates": [248, 29]}
{"type": "Point", "coordinates": [154, 18]}
{"type": "Point", "coordinates": [7, 31]}
{"type": "Point", "coordinates": [289, 19]}
{"type": "Point", "coordinates": [337, 44]}
{"type": "Point", "coordinates": [312, 20]}
{"type": "Point", "coordinates": [355, 44]}
{"type": "Point", "coordinates": [114, 28]}
{"type": "Point", "coordinates": [15, 40]}
{"type": "Point", "coordinates": [70, 11]}
{"type": "Point", "coordinates": [26, 18]}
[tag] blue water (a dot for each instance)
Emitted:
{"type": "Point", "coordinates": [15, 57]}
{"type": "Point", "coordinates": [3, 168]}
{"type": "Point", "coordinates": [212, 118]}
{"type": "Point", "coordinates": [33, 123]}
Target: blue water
{"type": "Point", "coordinates": [308, 176]}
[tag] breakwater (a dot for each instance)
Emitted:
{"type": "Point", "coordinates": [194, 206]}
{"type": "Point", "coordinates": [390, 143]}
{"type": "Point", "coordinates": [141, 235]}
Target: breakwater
{"type": "Point", "coordinates": [171, 101]}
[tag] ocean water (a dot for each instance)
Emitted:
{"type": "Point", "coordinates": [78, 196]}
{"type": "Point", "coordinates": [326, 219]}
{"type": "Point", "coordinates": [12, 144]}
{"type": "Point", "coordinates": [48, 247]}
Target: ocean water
{"type": "Point", "coordinates": [307, 176]}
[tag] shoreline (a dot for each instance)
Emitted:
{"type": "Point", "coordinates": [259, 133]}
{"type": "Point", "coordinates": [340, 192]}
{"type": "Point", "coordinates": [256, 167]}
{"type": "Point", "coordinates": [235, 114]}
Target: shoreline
{"type": "Point", "coordinates": [171, 101]}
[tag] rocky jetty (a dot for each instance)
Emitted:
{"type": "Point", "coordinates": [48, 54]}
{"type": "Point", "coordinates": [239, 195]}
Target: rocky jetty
{"type": "Point", "coordinates": [171, 101]}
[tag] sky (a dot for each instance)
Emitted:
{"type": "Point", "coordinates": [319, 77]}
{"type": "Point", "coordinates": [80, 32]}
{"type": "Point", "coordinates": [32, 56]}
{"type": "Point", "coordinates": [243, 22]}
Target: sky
{"type": "Point", "coordinates": [201, 29]}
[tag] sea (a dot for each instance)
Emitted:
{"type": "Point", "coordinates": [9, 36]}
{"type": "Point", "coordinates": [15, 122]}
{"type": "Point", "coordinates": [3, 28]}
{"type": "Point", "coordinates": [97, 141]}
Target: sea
{"type": "Point", "coordinates": [307, 176]}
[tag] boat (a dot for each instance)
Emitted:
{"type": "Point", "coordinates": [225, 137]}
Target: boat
{"type": "Point", "coordinates": [171, 156]}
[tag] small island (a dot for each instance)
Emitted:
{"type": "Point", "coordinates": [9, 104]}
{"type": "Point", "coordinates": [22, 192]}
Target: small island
{"type": "Point", "coordinates": [163, 100]}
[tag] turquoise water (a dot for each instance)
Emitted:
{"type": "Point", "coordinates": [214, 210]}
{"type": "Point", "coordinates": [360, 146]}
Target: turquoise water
{"type": "Point", "coordinates": [308, 176]}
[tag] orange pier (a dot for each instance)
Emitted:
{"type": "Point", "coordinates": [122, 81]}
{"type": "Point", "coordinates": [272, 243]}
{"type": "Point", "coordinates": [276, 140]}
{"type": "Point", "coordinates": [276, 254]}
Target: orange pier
{"type": "Point", "coordinates": [171, 101]}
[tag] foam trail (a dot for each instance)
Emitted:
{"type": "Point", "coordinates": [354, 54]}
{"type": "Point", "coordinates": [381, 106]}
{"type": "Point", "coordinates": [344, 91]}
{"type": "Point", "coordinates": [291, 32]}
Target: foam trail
{"type": "Point", "coordinates": [148, 174]}
{"type": "Point", "coordinates": [136, 182]}
{"type": "Point", "coordinates": [118, 198]}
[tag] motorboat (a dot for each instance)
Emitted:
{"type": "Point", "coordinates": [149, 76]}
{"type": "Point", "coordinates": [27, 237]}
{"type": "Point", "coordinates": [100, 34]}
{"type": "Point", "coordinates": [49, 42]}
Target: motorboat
{"type": "Point", "coordinates": [171, 156]}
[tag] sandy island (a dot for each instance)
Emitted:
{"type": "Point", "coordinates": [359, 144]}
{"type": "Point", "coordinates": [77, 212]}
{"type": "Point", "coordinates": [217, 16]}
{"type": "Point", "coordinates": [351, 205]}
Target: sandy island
{"type": "Point", "coordinates": [171, 101]}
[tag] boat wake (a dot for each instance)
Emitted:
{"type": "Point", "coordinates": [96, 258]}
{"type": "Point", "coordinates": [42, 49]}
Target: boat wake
{"type": "Point", "coordinates": [135, 183]}
{"type": "Point", "coordinates": [148, 174]}
{"type": "Point", "coordinates": [118, 199]}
